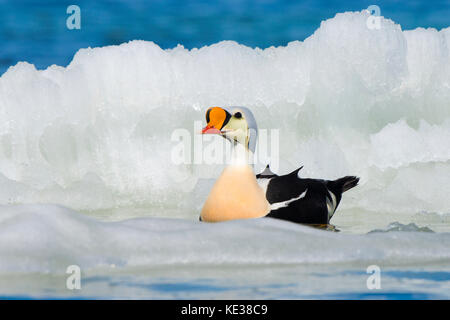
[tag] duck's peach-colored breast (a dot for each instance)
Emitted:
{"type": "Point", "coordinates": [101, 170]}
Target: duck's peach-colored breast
{"type": "Point", "coordinates": [235, 195]}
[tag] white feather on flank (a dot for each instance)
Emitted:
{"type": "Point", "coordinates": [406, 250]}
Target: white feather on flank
{"type": "Point", "coordinates": [278, 205]}
{"type": "Point", "coordinates": [331, 205]}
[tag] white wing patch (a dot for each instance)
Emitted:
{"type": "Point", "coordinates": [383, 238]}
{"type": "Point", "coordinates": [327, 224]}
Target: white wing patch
{"type": "Point", "coordinates": [331, 205]}
{"type": "Point", "coordinates": [278, 205]}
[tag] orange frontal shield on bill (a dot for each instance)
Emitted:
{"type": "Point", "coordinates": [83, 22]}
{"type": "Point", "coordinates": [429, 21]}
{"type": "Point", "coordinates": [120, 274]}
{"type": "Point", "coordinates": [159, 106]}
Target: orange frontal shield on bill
{"type": "Point", "coordinates": [215, 120]}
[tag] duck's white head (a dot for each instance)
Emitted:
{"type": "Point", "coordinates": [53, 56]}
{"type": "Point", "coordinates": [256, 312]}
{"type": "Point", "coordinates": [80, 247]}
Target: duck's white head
{"type": "Point", "coordinates": [236, 124]}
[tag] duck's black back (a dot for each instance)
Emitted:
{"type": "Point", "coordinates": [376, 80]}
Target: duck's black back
{"type": "Point", "coordinates": [309, 201]}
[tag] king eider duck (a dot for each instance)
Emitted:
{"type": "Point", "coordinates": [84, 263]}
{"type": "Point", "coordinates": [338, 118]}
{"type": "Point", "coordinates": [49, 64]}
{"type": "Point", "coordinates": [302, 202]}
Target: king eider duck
{"type": "Point", "coordinates": [239, 194]}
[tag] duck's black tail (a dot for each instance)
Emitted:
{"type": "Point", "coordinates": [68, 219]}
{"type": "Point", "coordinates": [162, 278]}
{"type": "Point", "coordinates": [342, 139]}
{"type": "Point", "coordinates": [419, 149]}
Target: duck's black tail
{"type": "Point", "coordinates": [343, 184]}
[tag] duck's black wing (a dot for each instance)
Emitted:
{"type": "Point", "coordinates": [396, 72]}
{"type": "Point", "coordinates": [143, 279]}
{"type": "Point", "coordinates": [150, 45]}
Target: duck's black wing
{"type": "Point", "coordinates": [266, 174]}
{"type": "Point", "coordinates": [309, 201]}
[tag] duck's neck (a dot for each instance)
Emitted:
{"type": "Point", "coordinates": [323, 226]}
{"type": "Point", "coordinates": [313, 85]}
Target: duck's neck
{"type": "Point", "coordinates": [241, 155]}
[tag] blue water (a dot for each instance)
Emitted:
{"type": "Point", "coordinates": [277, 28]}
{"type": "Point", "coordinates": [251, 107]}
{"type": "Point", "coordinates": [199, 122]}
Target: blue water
{"type": "Point", "coordinates": [35, 31]}
{"type": "Point", "coordinates": [396, 284]}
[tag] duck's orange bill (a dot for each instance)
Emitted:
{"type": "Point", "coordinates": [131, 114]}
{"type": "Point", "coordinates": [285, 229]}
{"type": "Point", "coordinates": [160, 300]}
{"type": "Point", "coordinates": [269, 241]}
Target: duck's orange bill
{"type": "Point", "coordinates": [210, 130]}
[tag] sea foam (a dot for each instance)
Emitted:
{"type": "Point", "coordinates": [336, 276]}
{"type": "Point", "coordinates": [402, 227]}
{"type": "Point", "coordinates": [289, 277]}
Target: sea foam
{"type": "Point", "coordinates": [96, 134]}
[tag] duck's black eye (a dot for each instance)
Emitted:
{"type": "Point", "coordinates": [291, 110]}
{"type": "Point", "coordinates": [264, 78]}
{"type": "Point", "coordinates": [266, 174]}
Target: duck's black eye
{"type": "Point", "coordinates": [238, 115]}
